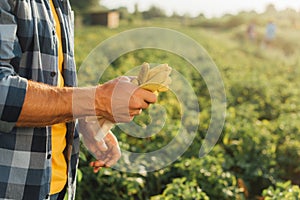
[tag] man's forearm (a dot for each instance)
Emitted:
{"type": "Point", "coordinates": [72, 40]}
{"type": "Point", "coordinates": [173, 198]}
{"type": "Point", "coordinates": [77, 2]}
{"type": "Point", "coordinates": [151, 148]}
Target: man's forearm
{"type": "Point", "coordinates": [117, 100]}
{"type": "Point", "coordinates": [47, 105]}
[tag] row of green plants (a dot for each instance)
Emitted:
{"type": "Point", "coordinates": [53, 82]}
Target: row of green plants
{"type": "Point", "coordinates": [258, 153]}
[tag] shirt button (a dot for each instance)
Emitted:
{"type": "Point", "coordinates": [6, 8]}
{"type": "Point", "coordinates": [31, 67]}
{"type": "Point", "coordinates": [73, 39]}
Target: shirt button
{"type": "Point", "coordinates": [53, 32]}
{"type": "Point", "coordinates": [52, 74]}
{"type": "Point", "coordinates": [47, 196]}
{"type": "Point", "coordinates": [49, 156]}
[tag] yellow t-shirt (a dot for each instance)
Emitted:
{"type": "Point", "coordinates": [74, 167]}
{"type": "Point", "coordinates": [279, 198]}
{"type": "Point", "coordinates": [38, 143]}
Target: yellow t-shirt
{"type": "Point", "coordinates": [59, 165]}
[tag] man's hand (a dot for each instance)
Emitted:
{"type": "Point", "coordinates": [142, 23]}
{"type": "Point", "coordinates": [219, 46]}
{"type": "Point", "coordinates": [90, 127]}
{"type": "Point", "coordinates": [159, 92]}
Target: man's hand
{"type": "Point", "coordinates": [119, 100]}
{"type": "Point", "coordinates": [109, 157]}
{"type": "Point", "coordinates": [106, 151]}
{"type": "Point", "coordinates": [88, 131]}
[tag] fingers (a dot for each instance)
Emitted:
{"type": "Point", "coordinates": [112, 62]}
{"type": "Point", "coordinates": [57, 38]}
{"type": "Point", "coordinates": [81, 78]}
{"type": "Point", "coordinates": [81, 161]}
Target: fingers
{"type": "Point", "coordinates": [135, 112]}
{"type": "Point", "coordinates": [97, 169]}
{"type": "Point", "coordinates": [146, 95]}
{"type": "Point", "coordinates": [115, 152]}
{"type": "Point", "coordinates": [116, 155]}
{"type": "Point", "coordinates": [111, 139]}
{"type": "Point", "coordinates": [119, 99]}
{"type": "Point", "coordinates": [144, 105]}
{"type": "Point", "coordinates": [141, 98]}
{"type": "Point", "coordinates": [97, 165]}
{"type": "Point", "coordinates": [109, 160]}
{"type": "Point", "coordinates": [110, 157]}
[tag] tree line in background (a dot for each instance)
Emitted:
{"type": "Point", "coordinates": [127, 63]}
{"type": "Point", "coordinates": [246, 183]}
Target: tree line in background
{"type": "Point", "coordinates": [84, 7]}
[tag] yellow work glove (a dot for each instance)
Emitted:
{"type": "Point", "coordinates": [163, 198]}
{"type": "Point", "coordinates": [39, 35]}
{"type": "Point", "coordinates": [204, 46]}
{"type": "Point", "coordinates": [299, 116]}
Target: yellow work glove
{"type": "Point", "coordinates": [156, 79]}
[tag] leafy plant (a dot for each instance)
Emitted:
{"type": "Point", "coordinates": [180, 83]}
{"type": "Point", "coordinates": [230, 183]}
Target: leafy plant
{"type": "Point", "coordinates": [180, 188]}
{"type": "Point", "coordinates": [282, 190]}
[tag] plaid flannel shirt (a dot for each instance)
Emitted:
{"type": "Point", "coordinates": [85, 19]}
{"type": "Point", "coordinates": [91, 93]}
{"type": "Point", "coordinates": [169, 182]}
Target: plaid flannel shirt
{"type": "Point", "coordinates": [29, 52]}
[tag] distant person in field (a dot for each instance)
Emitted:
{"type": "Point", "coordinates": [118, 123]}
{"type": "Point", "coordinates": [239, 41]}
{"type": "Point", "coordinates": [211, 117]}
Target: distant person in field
{"type": "Point", "coordinates": [251, 32]}
{"type": "Point", "coordinates": [270, 32]}
{"type": "Point", "coordinates": [39, 145]}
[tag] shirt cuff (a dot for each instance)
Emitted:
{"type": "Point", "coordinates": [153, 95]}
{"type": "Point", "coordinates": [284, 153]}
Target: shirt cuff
{"type": "Point", "coordinates": [13, 90]}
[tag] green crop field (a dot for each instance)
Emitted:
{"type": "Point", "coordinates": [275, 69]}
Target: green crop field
{"type": "Point", "coordinates": [258, 153]}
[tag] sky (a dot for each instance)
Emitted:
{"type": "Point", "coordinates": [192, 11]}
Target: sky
{"type": "Point", "coordinates": [210, 8]}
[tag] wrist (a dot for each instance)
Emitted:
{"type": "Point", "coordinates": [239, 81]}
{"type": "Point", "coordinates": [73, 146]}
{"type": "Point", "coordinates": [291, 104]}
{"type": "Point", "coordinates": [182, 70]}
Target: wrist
{"type": "Point", "coordinates": [83, 102]}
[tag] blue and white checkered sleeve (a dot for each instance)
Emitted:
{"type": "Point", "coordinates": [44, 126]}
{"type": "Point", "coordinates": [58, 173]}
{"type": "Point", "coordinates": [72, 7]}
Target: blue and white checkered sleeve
{"type": "Point", "coordinates": [12, 87]}
{"type": "Point", "coordinates": [12, 95]}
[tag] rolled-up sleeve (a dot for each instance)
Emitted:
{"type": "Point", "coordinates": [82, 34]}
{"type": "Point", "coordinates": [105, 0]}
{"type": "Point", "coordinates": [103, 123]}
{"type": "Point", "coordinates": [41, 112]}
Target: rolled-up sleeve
{"type": "Point", "coordinates": [12, 87]}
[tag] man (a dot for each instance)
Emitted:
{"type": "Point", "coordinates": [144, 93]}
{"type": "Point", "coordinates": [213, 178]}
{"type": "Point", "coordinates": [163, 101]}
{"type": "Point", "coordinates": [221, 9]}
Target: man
{"type": "Point", "coordinates": [39, 102]}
